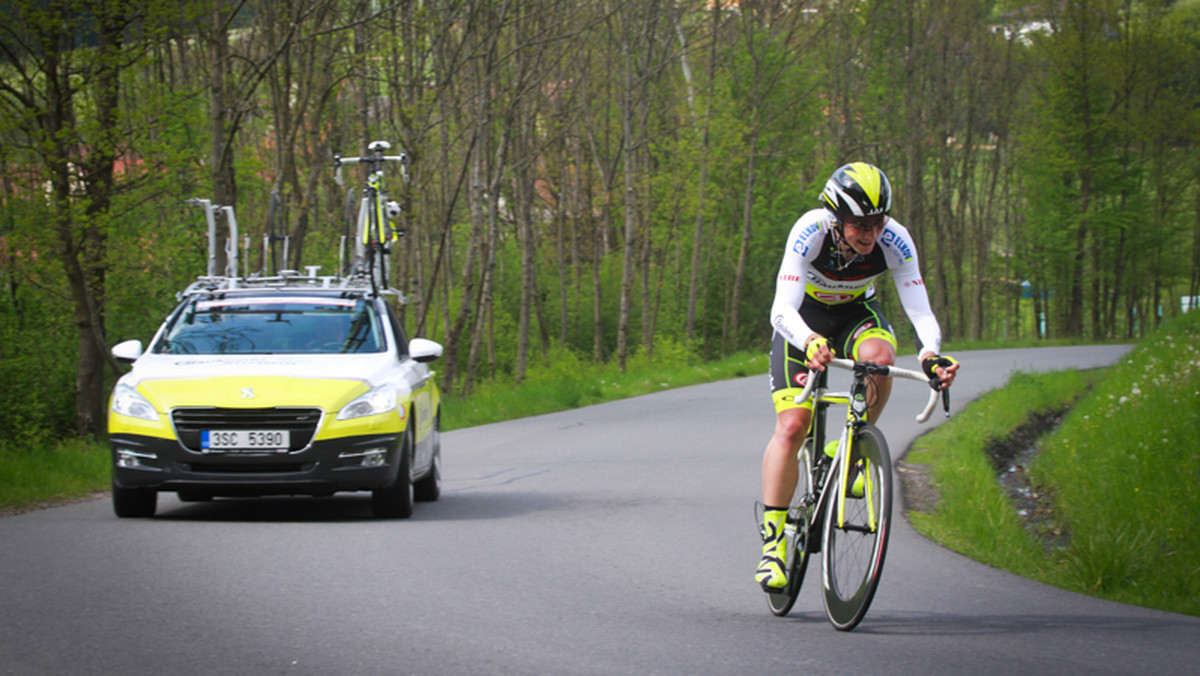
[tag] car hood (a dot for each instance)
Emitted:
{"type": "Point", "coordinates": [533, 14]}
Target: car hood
{"type": "Point", "coordinates": [254, 381]}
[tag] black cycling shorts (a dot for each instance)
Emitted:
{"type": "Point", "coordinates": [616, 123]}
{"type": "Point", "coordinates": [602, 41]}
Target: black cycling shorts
{"type": "Point", "coordinates": [844, 326]}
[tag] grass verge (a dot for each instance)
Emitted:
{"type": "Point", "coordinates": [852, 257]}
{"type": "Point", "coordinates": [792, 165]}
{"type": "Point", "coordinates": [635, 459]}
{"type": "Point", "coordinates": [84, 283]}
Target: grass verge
{"type": "Point", "coordinates": [63, 471]}
{"type": "Point", "coordinates": [1121, 472]}
{"type": "Point", "coordinates": [34, 474]}
{"type": "Point", "coordinates": [564, 381]}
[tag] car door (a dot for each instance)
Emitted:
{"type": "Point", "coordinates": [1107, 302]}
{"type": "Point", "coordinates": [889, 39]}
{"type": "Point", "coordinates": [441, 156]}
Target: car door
{"type": "Point", "coordinates": [416, 377]}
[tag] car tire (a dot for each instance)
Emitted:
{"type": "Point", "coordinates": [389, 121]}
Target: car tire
{"type": "Point", "coordinates": [396, 501]}
{"type": "Point", "coordinates": [429, 487]}
{"type": "Point", "coordinates": [134, 502]}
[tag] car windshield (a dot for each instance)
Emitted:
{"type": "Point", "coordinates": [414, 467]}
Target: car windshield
{"type": "Point", "coordinates": [274, 325]}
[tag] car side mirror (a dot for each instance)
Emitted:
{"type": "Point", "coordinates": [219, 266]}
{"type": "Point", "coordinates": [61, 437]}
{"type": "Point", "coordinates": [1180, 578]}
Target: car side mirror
{"type": "Point", "coordinates": [424, 350]}
{"type": "Point", "coordinates": [127, 351]}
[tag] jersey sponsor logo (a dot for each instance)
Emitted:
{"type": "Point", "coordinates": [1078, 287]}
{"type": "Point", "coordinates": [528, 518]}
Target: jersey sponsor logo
{"type": "Point", "coordinates": [800, 246]}
{"type": "Point", "coordinates": [915, 282]}
{"type": "Point", "coordinates": [832, 297]}
{"type": "Point", "coordinates": [892, 239]}
{"type": "Point", "coordinates": [784, 277]}
{"type": "Point", "coordinates": [801, 378]}
{"type": "Point", "coordinates": [779, 326]}
{"type": "Point", "coordinates": [863, 329]}
{"type": "Point", "coordinates": [820, 281]}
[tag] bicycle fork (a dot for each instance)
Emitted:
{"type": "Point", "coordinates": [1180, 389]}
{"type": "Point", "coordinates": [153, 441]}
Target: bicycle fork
{"type": "Point", "coordinates": [843, 465]}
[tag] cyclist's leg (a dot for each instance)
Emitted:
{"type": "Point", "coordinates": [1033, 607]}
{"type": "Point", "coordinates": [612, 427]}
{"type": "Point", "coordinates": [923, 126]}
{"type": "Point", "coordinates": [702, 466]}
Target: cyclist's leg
{"type": "Point", "coordinates": [780, 469]}
{"type": "Point", "coordinates": [871, 339]}
{"type": "Point", "coordinates": [788, 378]}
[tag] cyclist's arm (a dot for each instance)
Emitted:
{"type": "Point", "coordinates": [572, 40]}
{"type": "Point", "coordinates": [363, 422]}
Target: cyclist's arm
{"type": "Point", "coordinates": [790, 285]}
{"type": "Point", "coordinates": [906, 272]}
{"type": "Point", "coordinates": [916, 305]}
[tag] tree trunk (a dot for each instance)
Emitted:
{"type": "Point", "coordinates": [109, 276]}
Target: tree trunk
{"type": "Point", "coordinates": [630, 204]}
{"type": "Point", "coordinates": [221, 123]}
{"type": "Point", "coordinates": [744, 248]}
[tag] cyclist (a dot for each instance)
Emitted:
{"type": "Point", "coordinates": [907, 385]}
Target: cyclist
{"type": "Point", "coordinates": [825, 305]}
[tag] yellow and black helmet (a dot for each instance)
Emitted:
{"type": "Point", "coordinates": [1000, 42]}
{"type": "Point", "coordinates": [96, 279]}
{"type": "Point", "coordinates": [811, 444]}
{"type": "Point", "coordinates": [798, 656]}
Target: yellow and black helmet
{"type": "Point", "coordinates": [857, 189]}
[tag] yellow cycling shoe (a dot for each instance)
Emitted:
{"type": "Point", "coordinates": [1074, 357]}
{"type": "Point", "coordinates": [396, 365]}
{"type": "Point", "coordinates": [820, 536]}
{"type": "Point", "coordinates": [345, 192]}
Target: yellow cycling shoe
{"type": "Point", "coordinates": [772, 570]}
{"type": "Point", "coordinates": [831, 448]}
{"type": "Point", "coordinates": [857, 481]}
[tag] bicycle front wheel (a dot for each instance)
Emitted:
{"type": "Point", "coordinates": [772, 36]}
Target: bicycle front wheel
{"type": "Point", "coordinates": [797, 532]}
{"type": "Point", "coordinates": [854, 549]}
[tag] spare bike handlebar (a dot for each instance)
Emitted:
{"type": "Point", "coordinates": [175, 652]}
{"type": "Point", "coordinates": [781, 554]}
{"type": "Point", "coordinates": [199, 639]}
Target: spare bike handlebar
{"type": "Point", "coordinates": [376, 160]}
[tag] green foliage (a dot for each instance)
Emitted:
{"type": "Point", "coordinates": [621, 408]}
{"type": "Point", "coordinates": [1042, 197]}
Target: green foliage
{"type": "Point", "coordinates": [38, 348]}
{"type": "Point", "coordinates": [980, 137]}
{"type": "Point", "coordinates": [1121, 471]}
{"type": "Point", "coordinates": [37, 472]}
{"type": "Point", "coordinates": [973, 514]}
{"type": "Point", "coordinates": [563, 381]}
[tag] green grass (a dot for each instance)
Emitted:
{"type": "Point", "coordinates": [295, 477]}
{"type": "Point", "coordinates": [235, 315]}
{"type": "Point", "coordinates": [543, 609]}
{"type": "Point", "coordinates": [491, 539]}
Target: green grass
{"type": "Point", "coordinates": [1123, 471]}
{"type": "Point", "coordinates": [973, 515]}
{"type": "Point", "coordinates": [53, 472]}
{"type": "Point", "coordinates": [564, 382]}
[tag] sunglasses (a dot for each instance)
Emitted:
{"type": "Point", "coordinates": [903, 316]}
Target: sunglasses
{"type": "Point", "coordinates": [865, 223]}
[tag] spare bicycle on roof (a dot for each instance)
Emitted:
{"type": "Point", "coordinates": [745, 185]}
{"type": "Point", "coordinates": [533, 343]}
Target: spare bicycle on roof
{"type": "Point", "coordinates": [374, 224]}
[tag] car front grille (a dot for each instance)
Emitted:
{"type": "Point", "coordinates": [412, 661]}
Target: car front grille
{"type": "Point", "coordinates": [301, 422]}
{"type": "Point", "coordinates": [247, 468]}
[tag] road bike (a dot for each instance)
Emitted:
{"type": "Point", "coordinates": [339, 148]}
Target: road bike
{"type": "Point", "coordinates": [373, 226]}
{"type": "Point", "coordinates": [842, 505]}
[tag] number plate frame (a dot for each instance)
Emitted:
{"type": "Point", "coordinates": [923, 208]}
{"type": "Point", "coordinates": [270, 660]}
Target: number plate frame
{"type": "Point", "coordinates": [245, 441]}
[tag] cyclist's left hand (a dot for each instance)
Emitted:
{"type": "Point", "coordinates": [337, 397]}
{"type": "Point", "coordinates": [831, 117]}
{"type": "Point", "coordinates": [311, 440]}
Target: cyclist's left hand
{"type": "Point", "coordinates": [942, 367]}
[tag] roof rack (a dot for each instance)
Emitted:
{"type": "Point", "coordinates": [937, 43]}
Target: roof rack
{"type": "Point", "coordinates": [211, 282]}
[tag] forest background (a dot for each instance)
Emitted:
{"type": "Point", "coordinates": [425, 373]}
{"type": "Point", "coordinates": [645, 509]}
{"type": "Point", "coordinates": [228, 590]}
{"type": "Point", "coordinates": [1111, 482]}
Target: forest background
{"type": "Point", "coordinates": [566, 155]}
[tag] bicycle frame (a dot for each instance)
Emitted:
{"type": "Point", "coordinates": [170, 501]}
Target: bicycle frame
{"type": "Point", "coordinates": [828, 512]}
{"type": "Point", "coordinates": [373, 230]}
{"type": "Point", "coordinates": [856, 415]}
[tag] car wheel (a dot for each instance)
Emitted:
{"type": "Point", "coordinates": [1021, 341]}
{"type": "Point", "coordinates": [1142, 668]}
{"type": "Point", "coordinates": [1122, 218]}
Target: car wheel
{"type": "Point", "coordinates": [396, 501]}
{"type": "Point", "coordinates": [134, 502]}
{"type": "Point", "coordinates": [429, 487]}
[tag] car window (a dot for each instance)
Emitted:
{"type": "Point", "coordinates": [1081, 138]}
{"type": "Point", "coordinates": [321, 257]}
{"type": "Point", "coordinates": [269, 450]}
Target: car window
{"type": "Point", "coordinates": [398, 331]}
{"type": "Point", "coordinates": [274, 325]}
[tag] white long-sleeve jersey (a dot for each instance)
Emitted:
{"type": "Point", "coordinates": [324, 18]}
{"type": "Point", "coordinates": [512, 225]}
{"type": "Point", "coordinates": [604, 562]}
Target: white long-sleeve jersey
{"type": "Point", "coordinates": [811, 272]}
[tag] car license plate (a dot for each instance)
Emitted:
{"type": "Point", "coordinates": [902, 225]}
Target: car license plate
{"type": "Point", "coordinates": [233, 441]}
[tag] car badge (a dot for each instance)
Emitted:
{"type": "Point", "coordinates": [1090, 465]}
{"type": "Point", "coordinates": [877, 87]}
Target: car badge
{"type": "Point", "coordinates": [247, 393]}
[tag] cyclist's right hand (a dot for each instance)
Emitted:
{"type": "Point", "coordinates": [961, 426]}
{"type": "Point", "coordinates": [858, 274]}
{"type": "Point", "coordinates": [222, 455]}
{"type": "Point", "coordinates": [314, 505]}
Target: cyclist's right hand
{"type": "Point", "coordinates": [818, 352]}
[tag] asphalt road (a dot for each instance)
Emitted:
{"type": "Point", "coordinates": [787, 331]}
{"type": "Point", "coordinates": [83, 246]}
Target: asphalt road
{"type": "Point", "coordinates": [614, 539]}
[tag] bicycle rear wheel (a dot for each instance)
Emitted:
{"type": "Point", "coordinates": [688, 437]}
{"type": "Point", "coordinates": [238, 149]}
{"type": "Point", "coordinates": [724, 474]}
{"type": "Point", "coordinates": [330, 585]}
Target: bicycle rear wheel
{"type": "Point", "coordinates": [855, 550]}
{"type": "Point", "coordinates": [796, 530]}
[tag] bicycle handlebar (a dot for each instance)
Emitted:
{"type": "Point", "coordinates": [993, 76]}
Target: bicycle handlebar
{"type": "Point", "coordinates": [338, 159]}
{"type": "Point", "coordinates": [894, 371]}
{"type": "Point", "coordinates": [375, 160]}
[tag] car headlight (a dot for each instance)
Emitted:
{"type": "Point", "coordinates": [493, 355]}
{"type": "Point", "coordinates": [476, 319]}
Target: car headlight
{"type": "Point", "coordinates": [379, 400]}
{"type": "Point", "coordinates": [127, 401]}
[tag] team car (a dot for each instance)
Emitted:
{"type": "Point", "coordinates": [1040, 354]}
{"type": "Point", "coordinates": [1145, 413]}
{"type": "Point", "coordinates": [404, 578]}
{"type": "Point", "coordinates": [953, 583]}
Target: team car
{"type": "Point", "coordinates": [295, 384]}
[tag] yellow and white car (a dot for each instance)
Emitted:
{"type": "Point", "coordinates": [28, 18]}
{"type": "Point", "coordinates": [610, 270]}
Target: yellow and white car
{"type": "Point", "coordinates": [302, 387]}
